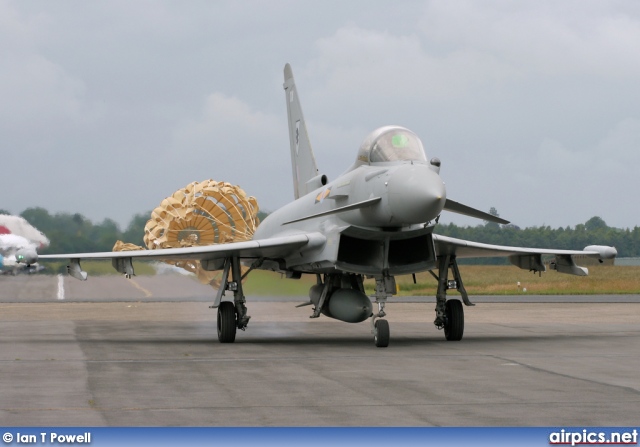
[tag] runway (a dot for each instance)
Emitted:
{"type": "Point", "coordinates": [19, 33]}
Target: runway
{"type": "Point", "coordinates": [110, 355]}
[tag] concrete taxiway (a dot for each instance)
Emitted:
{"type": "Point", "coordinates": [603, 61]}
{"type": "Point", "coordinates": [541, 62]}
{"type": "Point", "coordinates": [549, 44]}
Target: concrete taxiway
{"type": "Point", "coordinates": [144, 353]}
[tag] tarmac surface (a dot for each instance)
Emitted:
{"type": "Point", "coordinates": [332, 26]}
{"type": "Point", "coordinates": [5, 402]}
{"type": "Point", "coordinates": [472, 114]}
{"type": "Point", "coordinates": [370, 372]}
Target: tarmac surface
{"type": "Point", "coordinates": [112, 352]}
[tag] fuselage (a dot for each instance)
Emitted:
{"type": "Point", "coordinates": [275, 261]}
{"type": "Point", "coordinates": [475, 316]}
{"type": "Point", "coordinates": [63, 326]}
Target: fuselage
{"type": "Point", "coordinates": [391, 165]}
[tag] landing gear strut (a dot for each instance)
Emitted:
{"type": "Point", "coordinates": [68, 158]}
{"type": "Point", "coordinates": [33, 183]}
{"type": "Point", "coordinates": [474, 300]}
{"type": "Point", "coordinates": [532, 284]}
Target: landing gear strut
{"type": "Point", "coordinates": [231, 315]}
{"type": "Point", "coordinates": [449, 313]}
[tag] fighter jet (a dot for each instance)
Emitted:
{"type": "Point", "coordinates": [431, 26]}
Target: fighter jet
{"type": "Point", "coordinates": [376, 220]}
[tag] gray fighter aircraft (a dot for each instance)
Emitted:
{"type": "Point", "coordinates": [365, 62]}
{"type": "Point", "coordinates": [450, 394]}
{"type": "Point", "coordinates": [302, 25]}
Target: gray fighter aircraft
{"type": "Point", "coordinates": [375, 220]}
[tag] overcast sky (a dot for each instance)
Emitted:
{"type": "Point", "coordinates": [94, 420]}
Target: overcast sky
{"type": "Point", "coordinates": [533, 107]}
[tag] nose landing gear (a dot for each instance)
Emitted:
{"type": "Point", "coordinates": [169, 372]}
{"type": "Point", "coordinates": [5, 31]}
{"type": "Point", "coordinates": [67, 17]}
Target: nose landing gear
{"type": "Point", "coordinates": [385, 287]}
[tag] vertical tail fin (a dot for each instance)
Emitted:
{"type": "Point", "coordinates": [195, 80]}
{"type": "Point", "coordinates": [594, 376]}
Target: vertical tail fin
{"type": "Point", "coordinates": [303, 162]}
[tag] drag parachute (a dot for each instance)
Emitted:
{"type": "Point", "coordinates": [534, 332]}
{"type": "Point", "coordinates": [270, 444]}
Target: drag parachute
{"type": "Point", "coordinates": [202, 213]}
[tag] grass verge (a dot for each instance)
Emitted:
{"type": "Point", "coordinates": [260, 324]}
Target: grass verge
{"type": "Point", "coordinates": [478, 280]}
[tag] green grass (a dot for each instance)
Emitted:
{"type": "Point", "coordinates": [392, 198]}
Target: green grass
{"type": "Point", "coordinates": [478, 280]}
{"type": "Point", "coordinates": [503, 280]}
{"type": "Point", "coordinates": [261, 282]}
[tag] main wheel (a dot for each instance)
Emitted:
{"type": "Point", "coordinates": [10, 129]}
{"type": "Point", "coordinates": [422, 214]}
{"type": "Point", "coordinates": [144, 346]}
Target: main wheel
{"type": "Point", "coordinates": [381, 337]}
{"type": "Point", "coordinates": [226, 322]}
{"type": "Point", "coordinates": [454, 326]}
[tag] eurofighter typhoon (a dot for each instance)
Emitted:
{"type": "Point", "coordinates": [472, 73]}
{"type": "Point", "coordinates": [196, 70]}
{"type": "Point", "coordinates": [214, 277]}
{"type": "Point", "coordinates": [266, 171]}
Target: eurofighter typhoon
{"type": "Point", "coordinates": [376, 220]}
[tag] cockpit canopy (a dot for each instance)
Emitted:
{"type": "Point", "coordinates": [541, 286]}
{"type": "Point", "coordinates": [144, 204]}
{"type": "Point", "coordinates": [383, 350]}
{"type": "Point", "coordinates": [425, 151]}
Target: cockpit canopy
{"type": "Point", "coordinates": [391, 143]}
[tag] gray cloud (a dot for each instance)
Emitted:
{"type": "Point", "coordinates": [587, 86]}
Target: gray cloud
{"type": "Point", "coordinates": [533, 107]}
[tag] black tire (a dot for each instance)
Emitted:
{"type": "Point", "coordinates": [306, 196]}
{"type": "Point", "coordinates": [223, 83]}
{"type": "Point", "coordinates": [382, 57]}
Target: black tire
{"type": "Point", "coordinates": [454, 325]}
{"type": "Point", "coordinates": [381, 338]}
{"type": "Point", "coordinates": [226, 322]}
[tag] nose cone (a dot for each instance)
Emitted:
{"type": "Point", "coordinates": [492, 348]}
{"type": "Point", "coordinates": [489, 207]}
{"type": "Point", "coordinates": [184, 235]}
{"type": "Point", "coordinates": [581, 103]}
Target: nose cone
{"type": "Point", "coordinates": [416, 194]}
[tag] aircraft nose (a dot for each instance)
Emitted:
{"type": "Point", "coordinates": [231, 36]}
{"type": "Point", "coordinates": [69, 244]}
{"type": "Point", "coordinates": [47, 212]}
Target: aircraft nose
{"type": "Point", "coordinates": [416, 194]}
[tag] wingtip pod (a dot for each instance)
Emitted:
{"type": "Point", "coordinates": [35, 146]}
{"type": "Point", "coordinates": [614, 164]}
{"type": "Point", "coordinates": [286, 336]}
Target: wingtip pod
{"type": "Point", "coordinates": [604, 251]}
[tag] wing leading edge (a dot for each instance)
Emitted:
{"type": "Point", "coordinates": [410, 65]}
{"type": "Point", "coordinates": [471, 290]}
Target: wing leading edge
{"type": "Point", "coordinates": [523, 257]}
{"type": "Point", "coordinates": [210, 255]}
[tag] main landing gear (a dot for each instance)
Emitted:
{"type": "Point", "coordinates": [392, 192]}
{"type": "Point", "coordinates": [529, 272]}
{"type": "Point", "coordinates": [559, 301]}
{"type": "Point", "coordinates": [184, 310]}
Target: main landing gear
{"type": "Point", "coordinates": [227, 322]}
{"type": "Point", "coordinates": [231, 315]}
{"type": "Point", "coordinates": [449, 313]}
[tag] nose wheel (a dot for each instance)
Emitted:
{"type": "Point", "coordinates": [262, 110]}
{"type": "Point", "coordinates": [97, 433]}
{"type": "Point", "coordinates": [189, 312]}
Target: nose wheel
{"type": "Point", "coordinates": [381, 333]}
{"type": "Point", "coordinates": [385, 287]}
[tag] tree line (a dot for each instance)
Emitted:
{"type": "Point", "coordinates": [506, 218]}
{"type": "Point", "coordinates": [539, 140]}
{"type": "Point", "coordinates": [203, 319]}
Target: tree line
{"type": "Point", "coordinates": [73, 233]}
{"type": "Point", "coordinates": [594, 231]}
